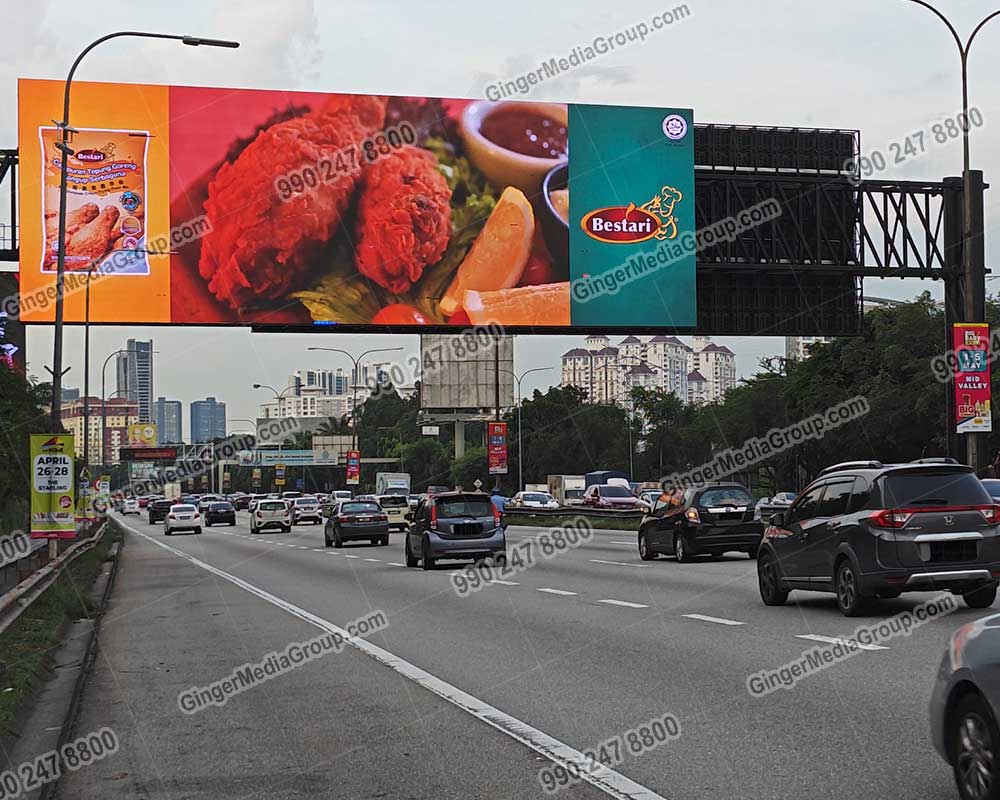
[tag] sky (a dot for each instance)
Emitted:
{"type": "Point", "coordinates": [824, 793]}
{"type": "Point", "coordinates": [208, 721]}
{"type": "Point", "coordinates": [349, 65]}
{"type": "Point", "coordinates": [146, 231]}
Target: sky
{"type": "Point", "coordinates": [886, 67]}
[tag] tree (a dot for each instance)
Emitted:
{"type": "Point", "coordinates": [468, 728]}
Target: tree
{"type": "Point", "coordinates": [22, 412]}
{"type": "Point", "coordinates": [470, 467]}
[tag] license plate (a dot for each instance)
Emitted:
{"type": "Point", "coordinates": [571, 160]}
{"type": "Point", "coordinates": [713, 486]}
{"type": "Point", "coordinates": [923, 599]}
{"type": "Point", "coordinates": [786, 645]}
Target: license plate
{"type": "Point", "coordinates": [364, 519]}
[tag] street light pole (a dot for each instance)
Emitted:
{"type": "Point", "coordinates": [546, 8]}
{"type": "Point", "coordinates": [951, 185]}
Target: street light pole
{"type": "Point", "coordinates": [356, 362]}
{"type": "Point", "coordinates": [104, 409]}
{"type": "Point", "coordinates": [86, 374]}
{"type": "Point", "coordinates": [974, 286]}
{"type": "Point", "coordinates": [65, 152]}
{"type": "Point", "coordinates": [520, 453]}
{"type": "Point", "coordinates": [279, 396]}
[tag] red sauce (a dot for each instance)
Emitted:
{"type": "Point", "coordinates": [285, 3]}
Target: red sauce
{"type": "Point", "coordinates": [525, 132]}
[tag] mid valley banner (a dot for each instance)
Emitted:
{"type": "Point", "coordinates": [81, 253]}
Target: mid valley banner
{"type": "Point", "coordinates": [210, 206]}
{"type": "Point", "coordinates": [971, 343]}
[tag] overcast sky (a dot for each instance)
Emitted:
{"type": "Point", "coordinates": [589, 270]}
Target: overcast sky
{"type": "Point", "coordinates": [886, 67]}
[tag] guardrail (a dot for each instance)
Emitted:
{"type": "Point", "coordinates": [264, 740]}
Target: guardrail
{"type": "Point", "coordinates": [612, 519]}
{"type": "Point", "coordinates": [14, 602]}
{"type": "Point", "coordinates": [16, 570]}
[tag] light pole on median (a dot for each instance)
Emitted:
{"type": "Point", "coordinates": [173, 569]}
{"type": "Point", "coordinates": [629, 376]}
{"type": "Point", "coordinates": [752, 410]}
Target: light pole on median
{"type": "Point", "coordinates": [278, 396]}
{"type": "Point", "coordinates": [65, 152]}
{"type": "Point", "coordinates": [104, 408]}
{"type": "Point", "coordinates": [356, 373]}
{"type": "Point", "coordinates": [520, 455]}
{"type": "Point", "coordinates": [974, 286]}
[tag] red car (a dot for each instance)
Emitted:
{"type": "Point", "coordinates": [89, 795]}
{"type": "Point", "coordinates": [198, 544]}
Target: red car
{"type": "Point", "coordinates": [603, 495]}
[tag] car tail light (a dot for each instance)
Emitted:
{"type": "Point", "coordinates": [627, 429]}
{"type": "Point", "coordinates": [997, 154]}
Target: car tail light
{"type": "Point", "coordinates": [171, 516]}
{"type": "Point", "coordinates": [434, 515]}
{"type": "Point", "coordinates": [381, 518]}
{"type": "Point", "coordinates": [891, 518]}
{"type": "Point", "coordinates": [343, 518]}
{"type": "Point", "coordinates": [496, 516]}
{"type": "Point", "coordinates": [692, 515]}
{"type": "Point", "coordinates": [898, 517]}
{"type": "Point", "coordinates": [260, 515]}
{"type": "Point", "coordinates": [990, 513]}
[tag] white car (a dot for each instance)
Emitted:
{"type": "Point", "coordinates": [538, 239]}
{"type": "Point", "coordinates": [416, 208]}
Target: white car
{"type": "Point", "coordinates": [306, 509]}
{"type": "Point", "coordinates": [131, 507]}
{"type": "Point", "coordinates": [396, 507]}
{"type": "Point", "coordinates": [534, 500]}
{"type": "Point", "coordinates": [271, 514]}
{"type": "Point", "coordinates": [182, 517]}
{"type": "Point", "coordinates": [340, 494]}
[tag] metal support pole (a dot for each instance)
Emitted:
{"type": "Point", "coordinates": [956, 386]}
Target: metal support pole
{"type": "Point", "coordinates": [953, 299]}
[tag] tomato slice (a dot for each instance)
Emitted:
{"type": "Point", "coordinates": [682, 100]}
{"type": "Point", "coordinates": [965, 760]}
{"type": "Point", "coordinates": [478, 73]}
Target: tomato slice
{"type": "Point", "coordinates": [399, 314]}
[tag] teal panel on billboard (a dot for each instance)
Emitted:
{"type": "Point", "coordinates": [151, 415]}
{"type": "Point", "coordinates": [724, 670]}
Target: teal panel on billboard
{"type": "Point", "coordinates": [632, 216]}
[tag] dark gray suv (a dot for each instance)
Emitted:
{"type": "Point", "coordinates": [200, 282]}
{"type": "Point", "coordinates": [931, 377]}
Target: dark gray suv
{"type": "Point", "coordinates": [454, 525]}
{"type": "Point", "coordinates": [865, 529]}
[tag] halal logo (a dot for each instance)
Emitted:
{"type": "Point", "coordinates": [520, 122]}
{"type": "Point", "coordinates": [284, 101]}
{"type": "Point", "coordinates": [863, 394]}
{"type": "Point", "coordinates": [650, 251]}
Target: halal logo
{"type": "Point", "coordinates": [631, 224]}
{"type": "Point", "coordinates": [675, 127]}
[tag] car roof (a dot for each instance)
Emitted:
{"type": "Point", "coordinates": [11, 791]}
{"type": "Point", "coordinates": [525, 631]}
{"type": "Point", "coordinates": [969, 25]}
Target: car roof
{"type": "Point", "coordinates": [874, 469]}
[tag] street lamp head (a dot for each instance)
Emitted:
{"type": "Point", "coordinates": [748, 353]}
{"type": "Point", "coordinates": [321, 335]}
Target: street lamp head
{"type": "Point", "coordinates": [195, 41]}
{"type": "Point", "coordinates": [256, 386]}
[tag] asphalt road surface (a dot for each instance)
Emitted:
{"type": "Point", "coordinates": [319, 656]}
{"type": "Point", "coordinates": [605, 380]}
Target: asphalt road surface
{"type": "Point", "coordinates": [472, 696]}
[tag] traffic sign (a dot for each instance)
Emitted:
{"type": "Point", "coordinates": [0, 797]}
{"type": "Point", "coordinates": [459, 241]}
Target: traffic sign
{"type": "Point", "coordinates": [477, 483]}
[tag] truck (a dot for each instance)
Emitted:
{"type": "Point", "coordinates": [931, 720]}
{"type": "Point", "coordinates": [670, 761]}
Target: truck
{"type": "Point", "coordinates": [567, 489]}
{"type": "Point", "coordinates": [172, 491]}
{"type": "Point", "coordinates": [601, 476]}
{"type": "Point", "coordinates": [392, 483]}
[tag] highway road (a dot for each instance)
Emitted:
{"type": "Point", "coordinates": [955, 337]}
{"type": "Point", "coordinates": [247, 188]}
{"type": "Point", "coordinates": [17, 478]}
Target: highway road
{"type": "Point", "coordinates": [471, 697]}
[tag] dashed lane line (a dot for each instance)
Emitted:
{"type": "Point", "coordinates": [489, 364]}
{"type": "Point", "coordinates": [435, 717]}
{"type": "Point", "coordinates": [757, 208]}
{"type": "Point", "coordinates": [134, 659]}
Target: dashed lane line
{"type": "Point", "coordinates": [623, 603]}
{"type": "Point", "coordinates": [717, 620]}
{"type": "Point", "coordinates": [813, 637]}
{"type": "Point", "coordinates": [561, 592]}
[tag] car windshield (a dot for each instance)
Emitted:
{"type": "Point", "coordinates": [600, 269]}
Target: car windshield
{"type": "Point", "coordinates": [359, 508]}
{"type": "Point", "coordinates": [271, 505]}
{"type": "Point", "coordinates": [992, 486]}
{"type": "Point", "coordinates": [221, 507]}
{"type": "Point", "coordinates": [393, 501]}
{"type": "Point", "coordinates": [182, 509]}
{"type": "Point", "coordinates": [725, 496]}
{"type": "Point", "coordinates": [932, 488]}
{"type": "Point", "coordinates": [784, 497]}
{"type": "Point", "coordinates": [464, 507]}
{"type": "Point", "coordinates": [615, 491]}
{"type": "Point", "coordinates": [306, 501]}
{"type": "Point", "coordinates": [536, 497]}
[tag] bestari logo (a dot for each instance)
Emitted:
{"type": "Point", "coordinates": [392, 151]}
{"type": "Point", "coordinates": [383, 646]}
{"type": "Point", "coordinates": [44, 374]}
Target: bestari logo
{"type": "Point", "coordinates": [90, 155]}
{"type": "Point", "coordinates": [631, 224]}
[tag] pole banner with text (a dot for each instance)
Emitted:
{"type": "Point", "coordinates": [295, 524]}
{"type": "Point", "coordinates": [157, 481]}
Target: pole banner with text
{"type": "Point", "coordinates": [971, 342]}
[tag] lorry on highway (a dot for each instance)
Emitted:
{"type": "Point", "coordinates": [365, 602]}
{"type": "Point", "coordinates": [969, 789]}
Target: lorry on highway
{"type": "Point", "coordinates": [567, 489]}
{"type": "Point", "coordinates": [602, 476]}
{"type": "Point", "coordinates": [392, 483]}
{"type": "Point", "coordinates": [172, 491]}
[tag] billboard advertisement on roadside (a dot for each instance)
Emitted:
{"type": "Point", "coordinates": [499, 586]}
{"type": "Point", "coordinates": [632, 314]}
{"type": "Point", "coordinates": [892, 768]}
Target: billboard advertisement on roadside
{"type": "Point", "coordinates": [497, 449]}
{"type": "Point", "coordinates": [210, 206]}
{"type": "Point", "coordinates": [142, 434]}
{"type": "Point", "coordinates": [971, 343]}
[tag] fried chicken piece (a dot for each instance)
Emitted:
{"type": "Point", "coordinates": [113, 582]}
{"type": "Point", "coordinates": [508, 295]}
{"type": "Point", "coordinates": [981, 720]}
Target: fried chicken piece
{"type": "Point", "coordinates": [75, 219]}
{"type": "Point", "coordinates": [368, 108]}
{"type": "Point", "coordinates": [261, 245]}
{"type": "Point", "coordinates": [96, 237]}
{"type": "Point", "coordinates": [404, 218]}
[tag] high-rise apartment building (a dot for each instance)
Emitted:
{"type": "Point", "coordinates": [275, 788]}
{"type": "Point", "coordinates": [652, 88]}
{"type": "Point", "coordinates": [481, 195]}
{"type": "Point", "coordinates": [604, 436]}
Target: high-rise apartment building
{"type": "Point", "coordinates": [169, 421]}
{"type": "Point", "coordinates": [134, 372]}
{"type": "Point", "coordinates": [208, 420]}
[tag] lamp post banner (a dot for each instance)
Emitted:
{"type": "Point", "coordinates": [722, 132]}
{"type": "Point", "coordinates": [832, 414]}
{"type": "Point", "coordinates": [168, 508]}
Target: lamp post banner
{"type": "Point", "coordinates": [971, 342]}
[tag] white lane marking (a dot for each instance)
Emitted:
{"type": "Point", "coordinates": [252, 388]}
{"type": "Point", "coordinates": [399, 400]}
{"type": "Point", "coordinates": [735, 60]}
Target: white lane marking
{"type": "Point", "coordinates": [624, 603]}
{"type": "Point", "coordinates": [718, 620]}
{"type": "Point", "coordinates": [505, 583]}
{"type": "Point", "coordinates": [379, 560]}
{"type": "Point", "coordinates": [396, 564]}
{"type": "Point", "coordinates": [616, 563]}
{"type": "Point", "coordinates": [629, 544]}
{"type": "Point", "coordinates": [347, 556]}
{"type": "Point", "coordinates": [607, 780]}
{"type": "Point", "coordinates": [813, 637]}
{"type": "Point", "coordinates": [318, 549]}
{"type": "Point", "coordinates": [556, 591]}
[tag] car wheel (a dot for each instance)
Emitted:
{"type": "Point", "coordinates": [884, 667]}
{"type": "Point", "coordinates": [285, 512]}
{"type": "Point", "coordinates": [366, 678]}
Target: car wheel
{"type": "Point", "coordinates": [208, 524]}
{"type": "Point", "coordinates": [337, 541]}
{"type": "Point", "coordinates": [769, 582]}
{"type": "Point", "coordinates": [980, 597]}
{"type": "Point", "coordinates": [752, 552]}
{"type": "Point", "coordinates": [197, 530]}
{"type": "Point", "coordinates": [974, 739]}
{"type": "Point", "coordinates": [427, 558]}
{"type": "Point", "coordinates": [232, 523]}
{"type": "Point", "coordinates": [849, 598]}
{"type": "Point", "coordinates": [411, 560]}
{"type": "Point", "coordinates": [645, 551]}
{"type": "Point", "coordinates": [166, 531]}
{"type": "Point", "coordinates": [287, 529]}
{"type": "Point", "coordinates": [680, 549]}
{"type": "Point", "coordinates": [384, 541]}
{"type": "Point", "coordinates": [500, 559]}
{"type": "Point", "coordinates": [326, 538]}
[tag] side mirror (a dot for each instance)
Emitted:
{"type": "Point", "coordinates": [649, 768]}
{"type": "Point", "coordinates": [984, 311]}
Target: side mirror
{"type": "Point", "coordinates": [778, 519]}
{"type": "Point", "coordinates": [408, 516]}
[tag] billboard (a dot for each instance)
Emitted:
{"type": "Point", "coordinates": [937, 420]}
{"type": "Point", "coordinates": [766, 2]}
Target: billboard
{"type": "Point", "coordinates": [52, 492]}
{"type": "Point", "coordinates": [142, 434]}
{"type": "Point", "coordinates": [971, 342]}
{"type": "Point", "coordinates": [211, 206]}
{"type": "Point", "coordinates": [459, 375]}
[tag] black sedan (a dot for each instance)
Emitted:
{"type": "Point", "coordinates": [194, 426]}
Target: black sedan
{"type": "Point", "coordinates": [158, 510]}
{"type": "Point", "coordinates": [220, 511]}
{"type": "Point", "coordinates": [709, 520]}
{"type": "Point", "coordinates": [356, 519]}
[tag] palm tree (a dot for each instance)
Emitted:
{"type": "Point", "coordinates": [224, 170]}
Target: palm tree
{"type": "Point", "coordinates": [332, 427]}
{"type": "Point", "coordinates": [300, 440]}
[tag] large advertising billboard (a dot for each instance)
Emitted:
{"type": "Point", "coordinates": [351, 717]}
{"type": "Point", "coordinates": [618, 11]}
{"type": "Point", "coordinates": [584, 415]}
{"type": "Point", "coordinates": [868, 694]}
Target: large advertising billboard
{"type": "Point", "coordinates": [209, 206]}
